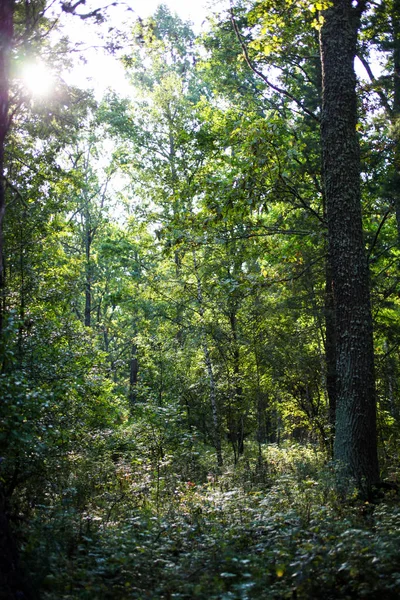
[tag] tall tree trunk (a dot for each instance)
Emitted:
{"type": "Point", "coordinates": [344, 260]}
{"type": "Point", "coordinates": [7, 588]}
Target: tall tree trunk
{"type": "Point", "coordinates": [210, 372]}
{"type": "Point", "coordinates": [6, 36]}
{"type": "Point", "coordinates": [88, 302]}
{"type": "Point", "coordinates": [237, 432]}
{"type": "Point", "coordinates": [22, 291]}
{"type": "Point", "coordinates": [329, 304]}
{"type": "Point", "coordinates": [330, 352]}
{"type": "Point", "coordinates": [8, 551]}
{"type": "Point", "coordinates": [133, 376]}
{"type": "Point", "coordinates": [356, 439]}
{"type": "Point", "coordinates": [88, 271]}
{"type": "Point", "coordinates": [395, 18]}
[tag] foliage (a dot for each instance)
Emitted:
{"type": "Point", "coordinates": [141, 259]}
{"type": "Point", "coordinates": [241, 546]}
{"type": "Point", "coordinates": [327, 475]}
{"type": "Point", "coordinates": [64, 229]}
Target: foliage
{"type": "Point", "coordinates": [166, 425]}
{"type": "Point", "coordinates": [221, 539]}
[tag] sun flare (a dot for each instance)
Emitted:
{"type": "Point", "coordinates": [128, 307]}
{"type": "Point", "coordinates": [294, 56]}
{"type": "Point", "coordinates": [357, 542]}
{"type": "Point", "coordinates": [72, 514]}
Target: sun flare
{"type": "Point", "coordinates": [37, 79]}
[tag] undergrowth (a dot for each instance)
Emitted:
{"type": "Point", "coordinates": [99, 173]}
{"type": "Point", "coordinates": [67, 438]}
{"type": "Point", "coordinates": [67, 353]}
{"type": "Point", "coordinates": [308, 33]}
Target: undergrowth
{"type": "Point", "coordinates": [132, 522]}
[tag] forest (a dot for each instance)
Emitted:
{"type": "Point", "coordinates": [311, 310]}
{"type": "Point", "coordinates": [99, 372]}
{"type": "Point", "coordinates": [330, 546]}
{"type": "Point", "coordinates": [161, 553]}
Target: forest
{"type": "Point", "coordinates": [199, 304]}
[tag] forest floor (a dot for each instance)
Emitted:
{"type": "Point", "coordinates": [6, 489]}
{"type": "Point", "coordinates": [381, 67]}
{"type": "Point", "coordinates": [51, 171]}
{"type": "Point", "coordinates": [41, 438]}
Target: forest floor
{"type": "Point", "coordinates": [273, 531]}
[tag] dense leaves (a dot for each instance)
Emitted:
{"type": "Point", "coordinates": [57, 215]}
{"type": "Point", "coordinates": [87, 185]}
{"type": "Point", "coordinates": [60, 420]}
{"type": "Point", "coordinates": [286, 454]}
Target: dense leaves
{"type": "Point", "coordinates": [232, 538]}
{"type": "Point", "coordinates": [168, 374]}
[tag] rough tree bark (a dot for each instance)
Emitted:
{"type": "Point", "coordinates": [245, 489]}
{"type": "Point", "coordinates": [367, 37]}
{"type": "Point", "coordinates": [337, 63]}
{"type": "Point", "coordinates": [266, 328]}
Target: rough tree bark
{"type": "Point", "coordinates": [355, 440]}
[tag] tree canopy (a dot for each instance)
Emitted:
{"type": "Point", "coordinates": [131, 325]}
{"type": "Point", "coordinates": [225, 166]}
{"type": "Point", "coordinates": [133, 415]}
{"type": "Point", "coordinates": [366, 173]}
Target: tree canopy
{"type": "Point", "coordinates": [199, 302]}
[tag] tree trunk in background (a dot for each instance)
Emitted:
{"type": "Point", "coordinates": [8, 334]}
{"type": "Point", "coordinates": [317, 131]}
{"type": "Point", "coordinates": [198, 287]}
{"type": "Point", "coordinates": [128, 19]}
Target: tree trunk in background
{"type": "Point", "coordinates": [395, 18]}
{"type": "Point", "coordinates": [133, 376]}
{"type": "Point", "coordinates": [356, 439]}
{"type": "Point", "coordinates": [210, 372]}
{"type": "Point", "coordinates": [88, 270]}
{"type": "Point", "coordinates": [8, 551]}
{"type": "Point", "coordinates": [330, 353]}
{"type": "Point", "coordinates": [237, 424]}
{"type": "Point", "coordinates": [6, 35]}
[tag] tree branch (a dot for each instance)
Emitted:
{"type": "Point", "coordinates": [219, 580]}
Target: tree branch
{"type": "Point", "coordinates": [97, 13]}
{"type": "Point", "coordinates": [262, 76]}
{"type": "Point", "coordinates": [360, 7]}
{"type": "Point", "coordinates": [381, 224]}
{"type": "Point", "coordinates": [304, 204]}
{"type": "Point", "coordinates": [373, 80]}
{"type": "Point", "coordinates": [17, 192]}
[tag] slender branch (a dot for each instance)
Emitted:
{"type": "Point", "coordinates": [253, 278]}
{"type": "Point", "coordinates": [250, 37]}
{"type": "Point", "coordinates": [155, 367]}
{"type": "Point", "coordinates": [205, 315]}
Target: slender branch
{"type": "Point", "coordinates": [304, 204]}
{"type": "Point", "coordinates": [263, 77]}
{"type": "Point", "coordinates": [299, 275]}
{"type": "Point", "coordinates": [17, 192]}
{"type": "Point", "coordinates": [381, 224]}
{"type": "Point", "coordinates": [394, 348]}
{"type": "Point", "coordinates": [269, 231]}
{"type": "Point", "coordinates": [96, 13]}
{"type": "Point", "coordinates": [360, 7]}
{"type": "Point", "coordinates": [373, 80]}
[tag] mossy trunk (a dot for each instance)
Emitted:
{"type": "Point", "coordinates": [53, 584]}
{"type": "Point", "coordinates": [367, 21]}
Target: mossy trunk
{"type": "Point", "coordinates": [355, 440]}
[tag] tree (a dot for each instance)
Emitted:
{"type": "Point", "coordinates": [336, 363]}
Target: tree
{"type": "Point", "coordinates": [356, 438]}
{"type": "Point", "coordinates": [348, 330]}
{"type": "Point", "coordinates": [24, 30]}
{"type": "Point", "coordinates": [6, 36]}
{"type": "Point", "coordinates": [381, 34]}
